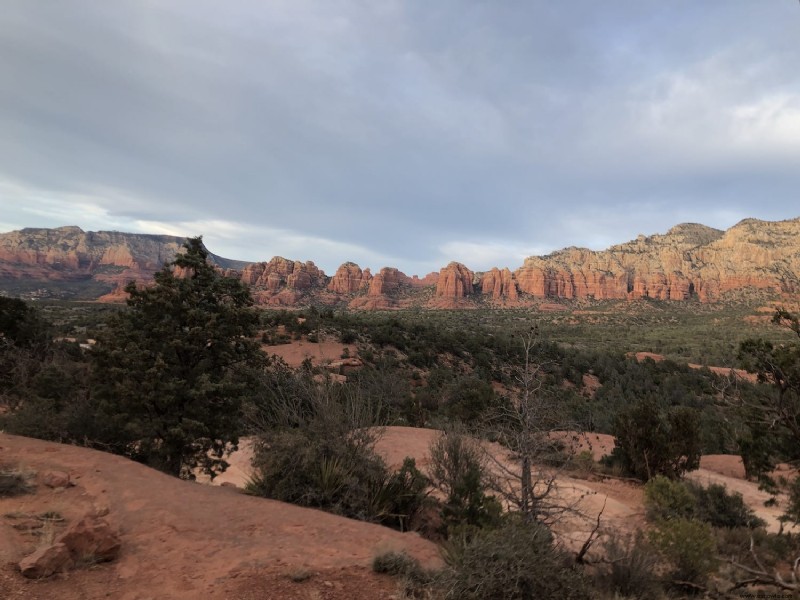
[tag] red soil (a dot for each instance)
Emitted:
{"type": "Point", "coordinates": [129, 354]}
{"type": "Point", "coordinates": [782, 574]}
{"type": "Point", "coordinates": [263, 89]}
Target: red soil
{"type": "Point", "coordinates": [183, 540]}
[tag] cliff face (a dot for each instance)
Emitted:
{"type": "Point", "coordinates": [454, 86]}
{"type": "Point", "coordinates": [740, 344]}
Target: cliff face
{"type": "Point", "coordinates": [688, 261]}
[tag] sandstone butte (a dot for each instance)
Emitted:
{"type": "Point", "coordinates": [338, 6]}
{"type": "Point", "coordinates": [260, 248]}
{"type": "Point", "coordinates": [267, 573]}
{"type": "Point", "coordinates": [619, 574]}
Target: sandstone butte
{"type": "Point", "coordinates": [689, 261]}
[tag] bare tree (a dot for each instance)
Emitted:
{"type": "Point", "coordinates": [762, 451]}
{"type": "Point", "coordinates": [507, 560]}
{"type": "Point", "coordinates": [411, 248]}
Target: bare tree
{"type": "Point", "coordinates": [527, 479]}
{"type": "Point", "coordinates": [760, 575]}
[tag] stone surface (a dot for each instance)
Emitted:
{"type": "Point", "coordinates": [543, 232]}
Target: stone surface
{"type": "Point", "coordinates": [455, 281]}
{"type": "Point", "coordinates": [349, 279]}
{"type": "Point", "coordinates": [499, 284]}
{"type": "Point", "coordinates": [282, 282]}
{"type": "Point", "coordinates": [690, 261]}
{"type": "Point", "coordinates": [91, 539]}
{"type": "Point", "coordinates": [46, 561]}
{"type": "Point", "coordinates": [55, 479]}
{"type": "Point", "coordinates": [88, 260]}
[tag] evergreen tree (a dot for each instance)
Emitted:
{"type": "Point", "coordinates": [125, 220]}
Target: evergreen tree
{"type": "Point", "coordinates": [172, 370]}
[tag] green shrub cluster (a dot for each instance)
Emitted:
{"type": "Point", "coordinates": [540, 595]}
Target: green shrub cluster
{"type": "Point", "coordinates": [666, 499]}
{"type": "Point", "coordinates": [516, 561]}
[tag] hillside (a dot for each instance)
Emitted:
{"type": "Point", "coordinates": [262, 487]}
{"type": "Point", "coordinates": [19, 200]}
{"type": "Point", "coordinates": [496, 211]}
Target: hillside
{"type": "Point", "coordinates": [184, 540]}
{"type": "Point", "coordinates": [688, 262]}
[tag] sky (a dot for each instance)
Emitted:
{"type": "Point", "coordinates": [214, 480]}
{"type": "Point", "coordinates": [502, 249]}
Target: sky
{"type": "Point", "coordinates": [398, 133]}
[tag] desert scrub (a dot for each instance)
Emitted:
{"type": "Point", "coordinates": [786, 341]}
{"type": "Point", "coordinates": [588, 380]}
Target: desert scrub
{"type": "Point", "coordinates": [666, 499]}
{"type": "Point", "coordinates": [629, 568]}
{"type": "Point", "coordinates": [689, 547]}
{"type": "Point", "coordinates": [415, 581]}
{"type": "Point", "coordinates": [14, 482]}
{"type": "Point", "coordinates": [517, 561]}
{"type": "Point", "coordinates": [395, 563]}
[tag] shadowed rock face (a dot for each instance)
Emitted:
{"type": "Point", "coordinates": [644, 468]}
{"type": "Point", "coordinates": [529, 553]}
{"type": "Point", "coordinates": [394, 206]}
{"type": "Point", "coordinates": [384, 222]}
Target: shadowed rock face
{"type": "Point", "coordinates": [688, 261]}
{"type": "Point", "coordinates": [89, 263]}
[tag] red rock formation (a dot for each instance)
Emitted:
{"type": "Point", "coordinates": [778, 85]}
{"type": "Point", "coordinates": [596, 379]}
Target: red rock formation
{"type": "Point", "coordinates": [689, 261]}
{"type": "Point", "coordinates": [455, 281]}
{"type": "Point", "coordinates": [387, 281]}
{"type": "Point", "coordinates": [84, 259]}
{"type": "Point", "coordinates": [282, 282]}
{"type": "Point", "coordinates": [500, 284]}
{"type": "Point", "coordinates": [429, 280]}
{"type": "Point", "coordinates": [348, 279]}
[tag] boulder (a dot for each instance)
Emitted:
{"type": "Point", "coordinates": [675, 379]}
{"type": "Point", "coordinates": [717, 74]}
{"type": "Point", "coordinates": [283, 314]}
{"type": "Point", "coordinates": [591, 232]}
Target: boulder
{"type": "Point", "coordinates": [55, 479]}
{"type": "Point", "coordinates": [91, 540]}
{"type": "Point", "coordinates": [46, 561]}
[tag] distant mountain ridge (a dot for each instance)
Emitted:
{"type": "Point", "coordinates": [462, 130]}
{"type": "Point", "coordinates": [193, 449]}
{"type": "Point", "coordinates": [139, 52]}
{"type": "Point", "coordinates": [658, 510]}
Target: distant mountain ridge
{"type": "Point", "coordinates": [689, 261]}
{"type": "Point", "coordinates": [84, 264]}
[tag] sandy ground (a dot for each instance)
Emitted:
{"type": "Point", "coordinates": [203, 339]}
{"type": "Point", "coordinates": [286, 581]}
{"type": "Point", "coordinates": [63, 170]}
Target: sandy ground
{"type": "Point", "coordinates": [183, 540]}
{"type": "Point", "coordinates": [296, 352]}
{"type": "Point", "coordinates": [623, 500]}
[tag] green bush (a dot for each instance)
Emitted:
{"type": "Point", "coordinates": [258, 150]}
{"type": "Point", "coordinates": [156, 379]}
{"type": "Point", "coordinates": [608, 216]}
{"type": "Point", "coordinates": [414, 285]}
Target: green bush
{"type": "Point", "coordinates": [335, 476]}
{"type": "Point", "coordinates": [793, 510]}
{"type": "Point", "coordinates": [652, 441]}
{"type": "Point", "coordinates": [689, 547]}
{"type": "Point", "coordinates": [458, 470]}
{"type": "Point", "coordinates": [665, 499]}
{"type": "Point", "coordinates": [771, 548]}
{"type": "Point", "coordinates": [514, 562]}
{"type": "Point", "coordinates": [714, 505]}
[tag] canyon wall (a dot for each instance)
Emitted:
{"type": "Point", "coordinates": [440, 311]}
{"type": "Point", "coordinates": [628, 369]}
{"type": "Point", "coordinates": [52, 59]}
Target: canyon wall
{"type": "Point", "coordinates": [689, 261]}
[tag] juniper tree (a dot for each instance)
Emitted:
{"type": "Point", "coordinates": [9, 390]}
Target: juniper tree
{"type": "Point", "coordinates": [171, 371]}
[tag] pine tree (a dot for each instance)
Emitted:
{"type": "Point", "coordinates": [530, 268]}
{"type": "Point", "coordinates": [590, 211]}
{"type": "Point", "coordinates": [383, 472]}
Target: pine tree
{"type": "Point", "coordinates": [172, 370]}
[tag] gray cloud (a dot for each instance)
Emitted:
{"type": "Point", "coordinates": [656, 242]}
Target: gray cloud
{"type": "Point", "coordinates": [397, 132]}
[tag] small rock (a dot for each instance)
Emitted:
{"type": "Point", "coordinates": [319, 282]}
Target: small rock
{"type": "Point", "coordinates": [46, 561]}
{"type": "Point", "coordinates": [55, 479]}
{"type": "Point", "coordinates": [91, 540]}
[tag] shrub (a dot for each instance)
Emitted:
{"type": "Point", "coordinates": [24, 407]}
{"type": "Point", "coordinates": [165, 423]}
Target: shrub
{"type": "Point", "coordinates": [665, 499]}
{"type": "Point", "coordinates": [714, 505]}
{"type": "Point", "coordinates": [793, 509]}
{"type": "Point", "coordinates": [458, 469]}
{"type": "Point", "coordinates": [630, 567]}
{"type": "Point", "coordinates": [401, 496]}
{"type": "Point", "coordinates": [771, 548]}
{"type": "Point", "coordinates": [416, 581]}
{"type": "Point", "coordinates": [13, 483]}
{"type": "Point", "coordinates": [514, 562]}
{"type": "Point", "coordinates": [300, 468]}
{"type": "Point", "coordinates": [651, 441]}
{"type": "Point", "coordinates": [395, 563]}
{"type": "Point", "coordinates": [689, 548]}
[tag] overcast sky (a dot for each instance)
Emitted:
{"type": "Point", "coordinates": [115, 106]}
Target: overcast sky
{"type": "Point", "coordinates": [398, 133]}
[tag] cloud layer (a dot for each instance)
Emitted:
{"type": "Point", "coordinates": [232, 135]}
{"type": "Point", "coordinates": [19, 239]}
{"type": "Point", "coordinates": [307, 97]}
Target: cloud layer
{"type": "Point", "coordinates": [402, 133]}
